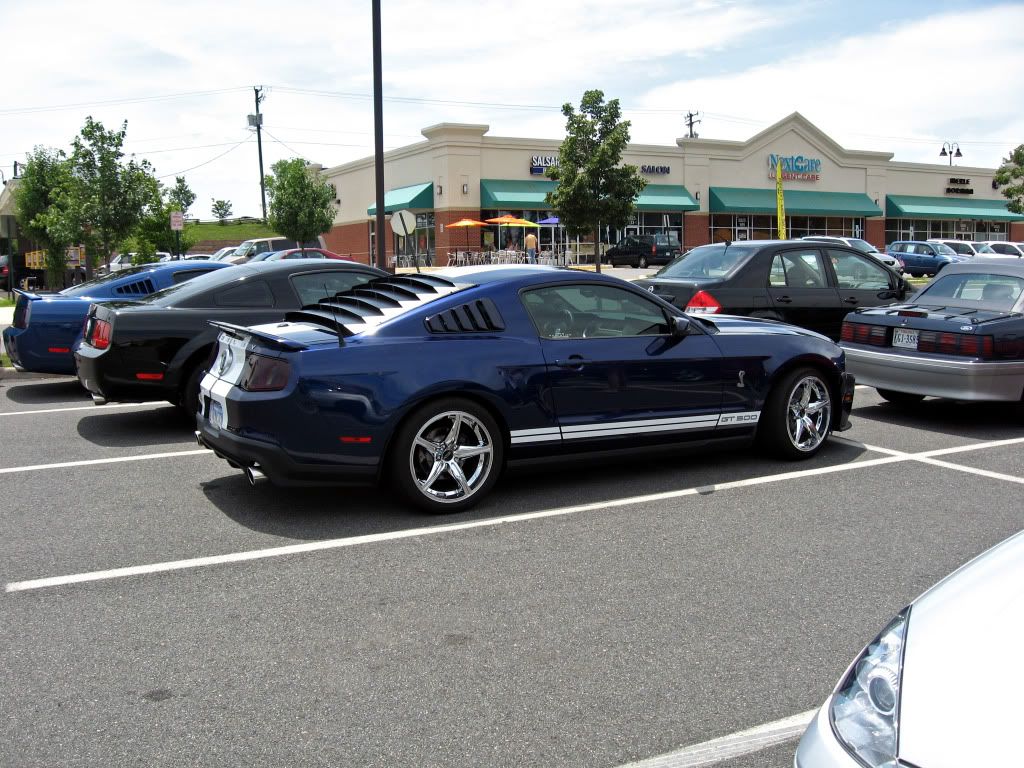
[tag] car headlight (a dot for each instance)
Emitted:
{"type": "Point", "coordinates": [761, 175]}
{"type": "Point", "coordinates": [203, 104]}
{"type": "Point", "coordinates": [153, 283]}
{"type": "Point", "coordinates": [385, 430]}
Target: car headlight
{"type": "Point", "coordinates": [866, 705]}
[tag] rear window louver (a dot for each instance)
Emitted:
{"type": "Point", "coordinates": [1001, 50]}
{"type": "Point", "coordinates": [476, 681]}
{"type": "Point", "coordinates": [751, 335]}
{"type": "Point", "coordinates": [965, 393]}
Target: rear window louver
{"type": "Point", "coordinates": [349, 312]}
{"type": "Point", "coordinates": [480, 316]}
{"type": "Point", "coordinates": [137, 288]}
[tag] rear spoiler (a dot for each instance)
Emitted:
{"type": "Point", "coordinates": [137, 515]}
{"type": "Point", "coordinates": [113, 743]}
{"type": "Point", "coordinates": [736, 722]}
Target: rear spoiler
{"type": "Point", "coordinates": [242, 333]}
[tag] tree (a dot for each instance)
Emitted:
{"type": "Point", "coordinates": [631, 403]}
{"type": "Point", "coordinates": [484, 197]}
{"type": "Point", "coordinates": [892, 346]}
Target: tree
{"type": "Point", "coordinates": [1010, 177]}
{"type": "Point", "coordinates": [107, 196]}
{"type": "Point", "coordinates": [301, 201]}
{"type": "Point", "coordinates": [181, 195]}
{"type": "Point", "coordinates": [221, 209]}
{"type": "Point", "coordinates": [155, 227]}
{"type": "Point", "coordinates": [593, 189]}
{"type": "Point", "coordinates": [39, 208]}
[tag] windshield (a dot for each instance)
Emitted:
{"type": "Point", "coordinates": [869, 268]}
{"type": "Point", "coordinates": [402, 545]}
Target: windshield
{"type": "Point", "coordinates": [861, 245]}
{"type": "Point", "coordinates": [718, 260]}
{"type": "Point", "coordinates": [245, 248]}
{"type": "Point", "coordinates": [84, 288]}
{"type": "Point", "coordinates": [995, 291]}
{"type": "Point", "coordinates": [176, 294]}
{"type": "Point", "coordinates": [983, 248]}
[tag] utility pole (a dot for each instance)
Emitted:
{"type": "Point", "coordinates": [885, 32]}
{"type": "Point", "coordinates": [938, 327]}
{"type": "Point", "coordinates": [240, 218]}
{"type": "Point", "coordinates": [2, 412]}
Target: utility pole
{"type": "Point", "coordinates": [692, 121]}
{"type": "Point", "coordinates": [257, 122]}
{"type": "Point", "coordinates": [379, 240]}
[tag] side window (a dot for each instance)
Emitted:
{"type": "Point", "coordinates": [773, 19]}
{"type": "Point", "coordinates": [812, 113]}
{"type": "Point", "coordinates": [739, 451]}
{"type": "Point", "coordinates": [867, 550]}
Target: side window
{"type": "Point", "coordinates": [925, 250]}
{"type": "Point", "coordinates": [777, 276]}
{"type": "Point", "coordinates": [800, 269]}
{"type": "Point", "coordinates": [591, 311]}
{"type": "Point", "coordinates": [1003, 249]}
{"type": "Point", "coordinates": [188, 274]}
{"type": "Point", "coordinates": [254, 293]}
{"type": "Point", "coordinates": [855, 271]}
{"type": "Point", "coordinates": [313, 286]}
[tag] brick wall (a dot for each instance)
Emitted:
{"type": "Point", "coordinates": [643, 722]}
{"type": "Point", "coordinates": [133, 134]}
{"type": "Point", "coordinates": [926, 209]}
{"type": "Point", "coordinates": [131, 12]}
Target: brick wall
{"type": "Point", "coordinates": [874, 232]}
{"type": "Point", "coordinates": [696, 229]}
{"type": "Point", "coordinates": [1017, 231]}
{"type": "Point", "coordinates": [351, 240]}
{"type": "Point", "coordinates": [458, 239]}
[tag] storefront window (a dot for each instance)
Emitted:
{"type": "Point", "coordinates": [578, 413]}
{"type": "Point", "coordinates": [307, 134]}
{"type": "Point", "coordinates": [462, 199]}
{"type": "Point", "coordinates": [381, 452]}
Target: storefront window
{"type": "Point", "coordinates": [945, 229]}
{"type": "Point", "coordinates": [740, 227]}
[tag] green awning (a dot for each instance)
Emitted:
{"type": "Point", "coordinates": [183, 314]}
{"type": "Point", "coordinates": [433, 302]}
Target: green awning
{"type": "Point", "coordinates": [666, 197]}
{"type": "Point", "coordinates": [914, 207]}
{"type": "Point", "coordinates": [417, 196]}
{"type": "Point", "coordinates": [798, 202]}
{"type": "Point", "coordinates": [515, 194]}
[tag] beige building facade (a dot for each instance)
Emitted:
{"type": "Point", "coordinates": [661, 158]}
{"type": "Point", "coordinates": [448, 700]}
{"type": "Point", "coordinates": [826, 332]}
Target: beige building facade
{"type": "Point", "coordinates": [699, 191]}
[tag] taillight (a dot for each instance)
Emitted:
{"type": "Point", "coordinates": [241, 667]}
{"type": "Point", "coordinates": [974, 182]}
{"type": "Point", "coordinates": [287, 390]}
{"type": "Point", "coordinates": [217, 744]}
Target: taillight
{"type": "Point", "coordinates": [264, 374]}
{"type": "Point", "coordinates": [703, 302]}
{"type": "Point", "coordinates": [100, 335]}
{"type": "Point", "coordinates": [654, 250]}
{"type": "Point", "coordinates": [960, 344]}
{"type": "Point", "coordinates": [862, 333]}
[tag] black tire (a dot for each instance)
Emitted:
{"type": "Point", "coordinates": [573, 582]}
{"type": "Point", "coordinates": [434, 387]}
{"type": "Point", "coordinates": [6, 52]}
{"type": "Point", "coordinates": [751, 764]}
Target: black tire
{"type": "Point", "coordinates": [642, 262]}
{"type": "Point", "coordinates": [409, 461]}
{"type": "Point", "coordinates": [188, 394]}
{"type": "Point", "coordinates": [774, 429]}
{"type": "Point", "coordinates": [900, 398]}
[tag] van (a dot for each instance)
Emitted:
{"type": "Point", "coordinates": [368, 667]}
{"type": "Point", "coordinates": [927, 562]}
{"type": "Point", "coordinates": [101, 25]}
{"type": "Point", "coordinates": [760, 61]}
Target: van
{"type": "Point", "coordinates": [258, 245]}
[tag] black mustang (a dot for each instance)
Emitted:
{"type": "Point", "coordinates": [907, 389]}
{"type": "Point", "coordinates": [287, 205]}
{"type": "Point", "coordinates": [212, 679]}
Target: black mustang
{"type": "Point", "coordinates": [157, 348]}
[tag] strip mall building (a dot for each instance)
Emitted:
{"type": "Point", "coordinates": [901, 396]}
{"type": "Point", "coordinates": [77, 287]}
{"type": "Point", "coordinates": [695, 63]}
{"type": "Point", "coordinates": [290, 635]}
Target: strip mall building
{"type": "Point", "coordinates": [699, 191]}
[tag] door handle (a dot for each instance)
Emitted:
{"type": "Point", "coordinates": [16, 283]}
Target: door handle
{"type": "Point", "coordinates": [574, 362]}
{"type": "Point", "coordinates": [852, 300]}
{"type": "Point", "coordinates": [784, 300]}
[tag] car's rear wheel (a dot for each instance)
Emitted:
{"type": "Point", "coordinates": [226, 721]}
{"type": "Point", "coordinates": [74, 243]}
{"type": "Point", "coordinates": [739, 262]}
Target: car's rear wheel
{"type": "Point", "coordinates": [447, 455]}
{"type": "Point", "coordinates": [188, 396]}
{"type": "Point", "coordinates": [900, 398]}
{"type": "Point", "coordinates": [642, 262]}
{"type": "Point", "coordinates": [797, 415]}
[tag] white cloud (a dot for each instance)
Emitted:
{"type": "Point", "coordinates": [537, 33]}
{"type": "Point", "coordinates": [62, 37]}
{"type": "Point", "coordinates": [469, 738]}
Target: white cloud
{"type": "Point", "coordinates": [919, 80]}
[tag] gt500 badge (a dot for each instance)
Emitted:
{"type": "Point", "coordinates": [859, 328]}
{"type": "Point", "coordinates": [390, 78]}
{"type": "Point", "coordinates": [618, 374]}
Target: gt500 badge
{"type": "Point", "coordinates": [750, 417]}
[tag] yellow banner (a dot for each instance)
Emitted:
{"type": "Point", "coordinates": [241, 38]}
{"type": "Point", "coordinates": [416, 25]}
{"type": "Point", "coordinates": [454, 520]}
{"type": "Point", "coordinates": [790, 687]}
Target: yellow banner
{"type": "Point", "coordinates": [780, 200]}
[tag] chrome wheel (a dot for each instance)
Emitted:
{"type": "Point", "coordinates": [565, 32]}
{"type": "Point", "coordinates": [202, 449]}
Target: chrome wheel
{"type": "Point", "coordinates": [451, 457]}
{"type": "Point", "coordinates": [808, 414]}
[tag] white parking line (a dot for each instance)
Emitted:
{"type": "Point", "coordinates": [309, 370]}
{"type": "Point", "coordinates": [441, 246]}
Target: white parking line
{"type": "Point", "coordinates": [316, 546]}
{"type": "Point", "coordinates": [734, 745]}
{"type": "Point", "coordinates": [97, 408]}
{"type": "Point", "coordinates": [928, 457]}
{"type": "Point", "coordinates": [91, 462]}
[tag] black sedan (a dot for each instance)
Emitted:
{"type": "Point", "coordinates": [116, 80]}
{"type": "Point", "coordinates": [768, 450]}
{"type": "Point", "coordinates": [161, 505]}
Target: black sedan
{"type": "Point", "coordinates": [157, 348]}
{"type": "Point", "coordinates": [962, 337]}
{"type": "Point", "coordinates": [812, 285]}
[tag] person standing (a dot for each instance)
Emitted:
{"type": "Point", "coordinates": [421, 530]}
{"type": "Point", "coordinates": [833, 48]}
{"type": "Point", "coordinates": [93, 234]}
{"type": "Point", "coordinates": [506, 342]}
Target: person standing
{"type": "Point", "coordinates": [531, 248]}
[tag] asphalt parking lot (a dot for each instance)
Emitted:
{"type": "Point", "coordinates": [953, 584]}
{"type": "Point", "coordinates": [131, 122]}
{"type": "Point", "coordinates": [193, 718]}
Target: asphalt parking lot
{"type": "Point", "coordinates": [159, 611]}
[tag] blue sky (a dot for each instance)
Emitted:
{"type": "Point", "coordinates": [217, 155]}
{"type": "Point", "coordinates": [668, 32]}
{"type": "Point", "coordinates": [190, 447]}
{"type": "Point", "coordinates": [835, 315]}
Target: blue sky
{"type": "Point", "coordinates": [891, 76]}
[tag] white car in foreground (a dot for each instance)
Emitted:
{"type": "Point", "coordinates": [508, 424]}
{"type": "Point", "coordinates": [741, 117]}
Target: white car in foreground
{"type": "Point", "coordinates": [941, 686]}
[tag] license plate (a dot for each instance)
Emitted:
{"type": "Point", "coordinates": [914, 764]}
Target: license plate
{"type": "Point", "coordinates": [906, 339]}
{"type": "Point", "coordinates": [217, 415]}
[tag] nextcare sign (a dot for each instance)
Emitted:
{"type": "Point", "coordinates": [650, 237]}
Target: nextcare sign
{"type": "Point", "coordinates": [539, 162]}
{"type": "Point", "coordinates": [795, 167]}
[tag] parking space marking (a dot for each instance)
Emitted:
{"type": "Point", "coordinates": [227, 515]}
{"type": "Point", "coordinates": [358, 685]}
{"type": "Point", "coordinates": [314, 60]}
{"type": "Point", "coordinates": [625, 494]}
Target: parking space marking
{"type": "Point", "coordinates": [92, 407]}
{"type": "Point", "coordinates": [734, 745]}
{"type": "Point", "coordinates": [316, 546]}
{"type": "Point", "coordinates": [91, 462]}
{"type": "Point", "coordinates": [928, 457]}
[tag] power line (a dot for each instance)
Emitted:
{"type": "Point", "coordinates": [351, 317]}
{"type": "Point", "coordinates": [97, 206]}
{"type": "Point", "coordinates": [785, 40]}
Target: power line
{"type": "Point", "coordinates": [295, 151]}
{"type": "Point", "coordinates": [111, 102]}
{"type": "Point", "coordinates": [218, 157]}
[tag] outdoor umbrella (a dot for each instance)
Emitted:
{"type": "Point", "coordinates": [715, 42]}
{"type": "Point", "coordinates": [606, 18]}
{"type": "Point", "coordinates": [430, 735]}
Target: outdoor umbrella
{"type": "Point", "coordinates": [466, 223]}
{"type": "Point", "coordinates": [506, 219]}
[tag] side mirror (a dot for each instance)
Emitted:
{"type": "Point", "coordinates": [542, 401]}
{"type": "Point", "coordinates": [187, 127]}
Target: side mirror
{"type": "Point", "coordinates": [679, 326]}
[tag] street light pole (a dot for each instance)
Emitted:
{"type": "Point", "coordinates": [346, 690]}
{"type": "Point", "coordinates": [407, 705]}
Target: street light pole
{"type": "Point", "coordinates": [379, 240]}
{"type": "Point", "coordinates": [950, 146]}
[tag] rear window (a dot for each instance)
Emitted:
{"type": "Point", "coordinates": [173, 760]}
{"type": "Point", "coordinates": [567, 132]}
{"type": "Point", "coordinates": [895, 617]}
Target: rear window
{"type": "Point", "coordinates": [991, 290]}
{"type": "Point", "coordinates": [84, 289]}
{"type": "Point", "coordinates": [718, 260]}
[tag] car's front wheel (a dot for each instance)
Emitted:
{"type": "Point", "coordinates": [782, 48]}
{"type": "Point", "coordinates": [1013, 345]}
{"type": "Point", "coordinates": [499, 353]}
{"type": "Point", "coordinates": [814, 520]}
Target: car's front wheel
{"type": "Point", "coordinates": [797, 415]}
{"type": "Point", "coordinates": [900, 398]}
{"type": "Point", "coordinates": [447, 455]}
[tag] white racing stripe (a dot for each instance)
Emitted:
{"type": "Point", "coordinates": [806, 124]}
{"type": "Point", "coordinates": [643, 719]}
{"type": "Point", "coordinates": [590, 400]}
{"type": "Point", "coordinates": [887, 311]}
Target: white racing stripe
{"type": "Point", "coordinates": [93, 407]}
{"type": "Point", "coordinates": [261, 554]}
{"type": "Point", "coordinates": [734, 745]}
{"type": "Point", "coordinates": [91, 462]}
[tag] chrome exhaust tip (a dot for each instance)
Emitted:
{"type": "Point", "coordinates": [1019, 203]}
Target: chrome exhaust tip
{"type": "Point", "coordinates": [254, 475]}
{"type": "Point", "coordinates": [199, 439]}
{"type": "Point", "coordinates": [98, 399]}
